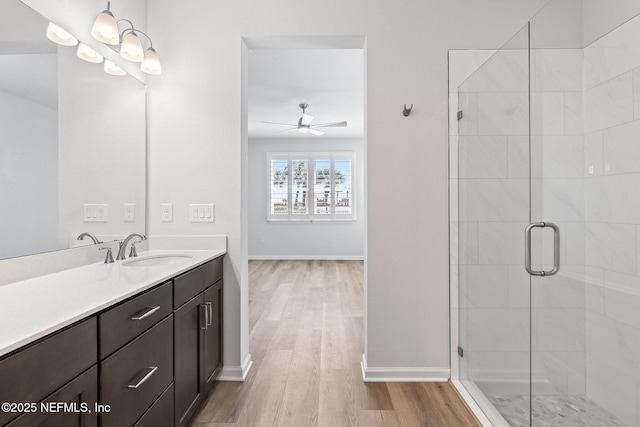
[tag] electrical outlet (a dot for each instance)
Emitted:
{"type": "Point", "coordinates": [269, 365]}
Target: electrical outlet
{"type": "Point", "coordinates": [129, 212]}
{"type": "Point", "coordinates": [166, 212]}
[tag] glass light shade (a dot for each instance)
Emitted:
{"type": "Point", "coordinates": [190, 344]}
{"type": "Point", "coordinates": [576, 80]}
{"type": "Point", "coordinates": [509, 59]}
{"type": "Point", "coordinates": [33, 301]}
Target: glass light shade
{"type": "Point", "coordinates": [151, 63]}
{"type": "Point", "coordinates": [105, 28]}
{"type": "Point", "coordinates": [60, 36]}
{"type": "Point", "coordinates": [113, 69]}
{"type": "Point", "coordinates": [88, 54]}
{"type": "Point", "coordinates": [131, 49]}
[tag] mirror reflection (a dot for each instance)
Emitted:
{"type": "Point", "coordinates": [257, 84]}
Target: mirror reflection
{"type": "Point", "coordinates": [72, 143]}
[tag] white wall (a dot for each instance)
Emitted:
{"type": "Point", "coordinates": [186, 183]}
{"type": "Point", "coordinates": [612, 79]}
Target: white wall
{"type": "Point", "coordinates": [305, 239]}
{"type": "Point", "coordinates": [196, 151]}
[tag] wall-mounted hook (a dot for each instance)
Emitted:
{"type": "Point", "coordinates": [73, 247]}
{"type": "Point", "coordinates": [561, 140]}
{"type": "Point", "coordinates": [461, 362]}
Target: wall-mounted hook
{"type": "Point", "coordinates": [406, 110]}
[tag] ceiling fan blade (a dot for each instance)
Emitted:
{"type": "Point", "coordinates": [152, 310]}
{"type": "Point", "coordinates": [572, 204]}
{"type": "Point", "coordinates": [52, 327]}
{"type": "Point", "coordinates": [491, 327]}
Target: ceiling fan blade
{"type": "Point", "coordinates": [306, 119]}
{"type": "Point", "coordinates": [331, 125]}
{"type": "Point", "coordinates": [316, 132]}
{"type": "Point", "coordinates": [283, 124]}
{"type": "Point", "coordinates": [288, 130]}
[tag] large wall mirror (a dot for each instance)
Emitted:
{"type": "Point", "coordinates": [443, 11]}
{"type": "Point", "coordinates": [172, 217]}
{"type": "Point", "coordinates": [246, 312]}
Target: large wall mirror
{"type": "Point", "coordinates": [72, 142]}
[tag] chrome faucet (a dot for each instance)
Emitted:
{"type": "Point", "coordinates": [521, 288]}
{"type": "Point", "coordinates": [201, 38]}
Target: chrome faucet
{"type": "Point", "coordinates": [123, 244]}
{"type": "Point", "coordinates": [91, 236]}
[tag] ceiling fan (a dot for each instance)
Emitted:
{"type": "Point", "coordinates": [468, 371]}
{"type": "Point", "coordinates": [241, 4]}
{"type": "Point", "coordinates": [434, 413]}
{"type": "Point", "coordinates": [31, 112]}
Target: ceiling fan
{"type": "Point", "coordinates": [304, 124]}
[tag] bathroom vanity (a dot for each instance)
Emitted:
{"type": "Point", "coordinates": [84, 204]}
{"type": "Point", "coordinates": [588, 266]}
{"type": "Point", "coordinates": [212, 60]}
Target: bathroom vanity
{"type": "Point", "coordinates": [135, 344]}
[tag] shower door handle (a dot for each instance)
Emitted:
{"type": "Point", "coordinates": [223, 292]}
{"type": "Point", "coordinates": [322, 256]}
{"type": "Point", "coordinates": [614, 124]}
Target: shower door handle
{"type": "Point", "coordinates": [556, 249]}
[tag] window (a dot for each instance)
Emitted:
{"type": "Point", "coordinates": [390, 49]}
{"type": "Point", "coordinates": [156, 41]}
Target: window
{"type": "Point", "coordinates": [311, 186]}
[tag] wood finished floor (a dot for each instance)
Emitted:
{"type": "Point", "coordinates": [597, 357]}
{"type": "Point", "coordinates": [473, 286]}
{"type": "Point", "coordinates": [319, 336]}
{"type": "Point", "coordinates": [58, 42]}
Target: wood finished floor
{"type": "Point", "coordinates": [306, 332]}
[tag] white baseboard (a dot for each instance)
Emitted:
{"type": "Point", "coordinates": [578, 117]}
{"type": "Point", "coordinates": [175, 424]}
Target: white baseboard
{"type": "Point", "coordinates": [305, 258]}
{"type": "Point", "coordinates": [236, 373]}
{"type": "Point", "coordinates": [395, 374]}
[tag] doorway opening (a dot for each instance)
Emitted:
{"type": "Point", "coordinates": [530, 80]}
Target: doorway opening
{"type": "Point", "coordinates": [304, 206]}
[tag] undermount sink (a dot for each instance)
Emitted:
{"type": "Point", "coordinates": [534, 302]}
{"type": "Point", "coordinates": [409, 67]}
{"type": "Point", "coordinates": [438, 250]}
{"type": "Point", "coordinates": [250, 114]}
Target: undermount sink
{"type": "Point", "coordinates": [156, 260]}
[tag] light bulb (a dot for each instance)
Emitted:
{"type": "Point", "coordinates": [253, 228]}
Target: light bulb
{"type": "Point", "coordinates": [151, 63]}
{"type": "Point", "coordinates": [113, 69]}
{"type": "Point", "coordinates": [132, 48]}
{"type": "Point", "coordinates": [60, 36]}
{"type": "Point", "coordinates": [88, 54]}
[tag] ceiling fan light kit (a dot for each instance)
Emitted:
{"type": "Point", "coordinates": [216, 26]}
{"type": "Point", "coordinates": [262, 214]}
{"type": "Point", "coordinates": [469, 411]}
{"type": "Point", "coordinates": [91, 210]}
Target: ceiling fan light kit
{"type": "Point", "coordinates": [304, 123]}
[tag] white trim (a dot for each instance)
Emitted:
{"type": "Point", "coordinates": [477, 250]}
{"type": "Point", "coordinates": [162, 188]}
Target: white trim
{"type": "Point", "coordinates": [471, 403]}
{"type": "Point", "coordinates": [495, 417]}
{"type": "Point", "coordinates": [396, 374]}
{"type": "Point", "coordinates": [236, 373]}
{"type": "Point", "coordinates": [306, 257]}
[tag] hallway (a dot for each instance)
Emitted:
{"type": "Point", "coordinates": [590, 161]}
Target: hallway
{"type": "Point", "coordinates": [306, 323]}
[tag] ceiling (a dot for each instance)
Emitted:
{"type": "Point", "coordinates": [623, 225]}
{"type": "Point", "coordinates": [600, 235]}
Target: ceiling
{"type": "Point", "coordinates": [331, 81]}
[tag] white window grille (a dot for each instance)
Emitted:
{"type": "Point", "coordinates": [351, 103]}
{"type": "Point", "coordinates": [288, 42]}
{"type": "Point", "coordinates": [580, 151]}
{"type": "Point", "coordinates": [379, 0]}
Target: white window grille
{"type": "Point", "coordinates": [311, 186]}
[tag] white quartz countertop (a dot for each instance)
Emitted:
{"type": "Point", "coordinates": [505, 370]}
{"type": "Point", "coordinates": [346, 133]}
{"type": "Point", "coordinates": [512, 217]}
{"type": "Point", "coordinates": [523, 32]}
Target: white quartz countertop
{"type": "Point", "coordinates": [34, 308]}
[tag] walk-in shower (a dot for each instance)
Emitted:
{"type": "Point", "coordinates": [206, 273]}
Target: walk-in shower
{"type": "Point", "coordinates": [546, 131]}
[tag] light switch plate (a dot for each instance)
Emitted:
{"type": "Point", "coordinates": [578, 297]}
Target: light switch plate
{"type": "Point", "coordinates": [202, 213]}
{"type": "Point", "coordinates": [95, 212]}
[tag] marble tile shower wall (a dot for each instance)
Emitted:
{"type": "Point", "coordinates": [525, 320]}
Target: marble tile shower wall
{"type": "Point", "coordinates": [557, 195]}
{"type": "Point", "coordinates": [493, 209]}
{"type": "Point", "coordinates": [612, 221]}
{"type": "Point", "coordinates": [585, 169]}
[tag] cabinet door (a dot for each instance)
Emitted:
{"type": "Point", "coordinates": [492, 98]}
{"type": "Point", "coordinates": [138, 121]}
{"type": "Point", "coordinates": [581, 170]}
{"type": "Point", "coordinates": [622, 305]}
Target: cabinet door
{"type": "Point", "coordinates": [70, 406]}
{"type": "Point", "coordinates": [213, 334]}
{"type": "Point", "coordinates": [189, 324]}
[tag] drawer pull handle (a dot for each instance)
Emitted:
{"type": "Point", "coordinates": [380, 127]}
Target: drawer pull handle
{"type": "Point", "coordinates": [209, 313]}
{"type": "Point", "coordinates": [145, 378]}
{"type": "Point", "coordinates": [146, 313]}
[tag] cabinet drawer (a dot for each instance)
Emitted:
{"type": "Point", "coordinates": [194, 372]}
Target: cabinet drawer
{"type": "Point", "coordinates": [35, 372]}
{"type": "Point", "coordinates": [191, 283]}
{"type": "Point", "coordinates": [126, 321]}
{"type": "Point", "coordinates": [133, 377]}
{"type": "Point", "coordinates": [160, 413]}
{"type": "Point", "coordinates": [80, 395]}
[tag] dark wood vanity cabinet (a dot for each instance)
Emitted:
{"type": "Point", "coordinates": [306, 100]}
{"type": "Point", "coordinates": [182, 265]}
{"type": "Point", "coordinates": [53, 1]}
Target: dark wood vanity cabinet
{"type": "Point", "coordinates": [147, 361]}
{"type": "Point", "coordinates": [197, 334]}
{"type": "Point", "coordinates": [136, 353]}
{"type": "Point", "coordinates": [37, 372]}
{"type": "Point", "coordinates": [213, 334]}
{"type": "Point", "coordinates": [80, 395]}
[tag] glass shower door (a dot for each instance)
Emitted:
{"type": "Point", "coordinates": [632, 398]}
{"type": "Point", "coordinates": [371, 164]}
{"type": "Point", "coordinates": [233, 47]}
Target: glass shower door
{"type": "Point", "coordinates": [558, 357]}
{"type": "Point", "coordinates": [493, 210]}
{"type": "Point", "coordinates": [585, 175]}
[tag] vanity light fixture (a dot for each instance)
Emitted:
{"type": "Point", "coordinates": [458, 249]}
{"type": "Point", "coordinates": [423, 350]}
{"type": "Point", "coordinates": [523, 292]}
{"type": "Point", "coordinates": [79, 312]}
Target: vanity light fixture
{"type": "Point", "coordinates": [88, 54]}
{"type": "Point", "coordinates": [131, 48]}
{"type": "Point", "coordinates": [151, 63]}
{"type": "Point", "coordinates": [60, 36]}
{"type": "Point", "coordinates": [105, 27]}
{"type": "Point", "coordinates": [113, 69]}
